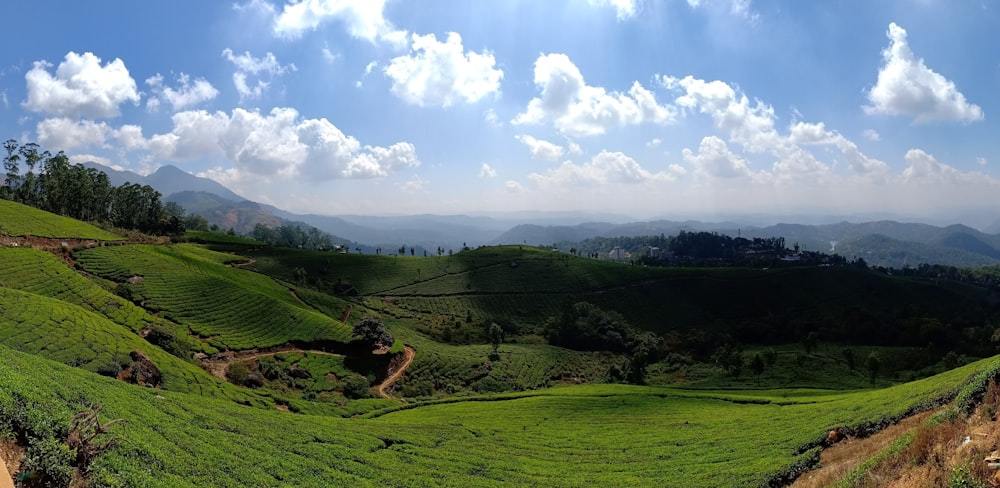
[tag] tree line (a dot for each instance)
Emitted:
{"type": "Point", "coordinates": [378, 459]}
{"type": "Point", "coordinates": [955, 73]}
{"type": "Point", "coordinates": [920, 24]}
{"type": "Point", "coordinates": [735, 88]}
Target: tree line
{"type": "Point", "coordinates": [50, 182]}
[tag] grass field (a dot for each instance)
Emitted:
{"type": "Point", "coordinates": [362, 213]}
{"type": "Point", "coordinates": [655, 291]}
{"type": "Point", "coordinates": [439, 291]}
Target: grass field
{"type": "Point", "coordinates": [21, 220]}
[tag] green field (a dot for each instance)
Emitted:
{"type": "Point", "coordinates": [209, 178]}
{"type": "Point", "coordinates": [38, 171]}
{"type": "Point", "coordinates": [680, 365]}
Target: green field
{"type": "Point", "coordinates": [21, 220]}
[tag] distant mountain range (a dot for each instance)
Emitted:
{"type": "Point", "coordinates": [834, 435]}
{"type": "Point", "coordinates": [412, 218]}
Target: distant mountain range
{"type": "Point", "coordinates": [880, 243]}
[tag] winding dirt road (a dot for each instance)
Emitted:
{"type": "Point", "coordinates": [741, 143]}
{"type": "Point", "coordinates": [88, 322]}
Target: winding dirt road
{"type": "Point", "coordinates": [408, 355]}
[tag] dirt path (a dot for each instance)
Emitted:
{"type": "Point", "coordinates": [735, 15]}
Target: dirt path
{"type": "Point", "coordinates": [296, 297]}
{"type": "Point", "coordinates": [837, 460]}
{"type": "Point", "coordinates": [408, 355]}
{"type": "Point", "coordinates": [6, 480]}
{"type": "Point", "coordinates": [241, 264]}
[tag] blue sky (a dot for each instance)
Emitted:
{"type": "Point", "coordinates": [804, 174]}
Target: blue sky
{"type": "Point", "coordinates": [647, 108]}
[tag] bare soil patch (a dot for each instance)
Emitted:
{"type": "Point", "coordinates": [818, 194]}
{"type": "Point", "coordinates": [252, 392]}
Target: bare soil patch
{"type": "Point", "coordinates": [10, 462]}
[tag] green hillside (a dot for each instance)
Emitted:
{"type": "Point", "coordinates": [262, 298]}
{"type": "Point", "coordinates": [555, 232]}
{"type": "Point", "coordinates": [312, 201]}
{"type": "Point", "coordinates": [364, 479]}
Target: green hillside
{"type": "Point", "coordinates": [21, 220]}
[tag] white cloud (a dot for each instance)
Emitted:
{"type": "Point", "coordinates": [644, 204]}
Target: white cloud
{"type": "Point", "coordinates": [279, 144]}
{"type": "Point", "coordinates": [363, 19]}
{"type": "Point", "coordinates": [441, 73]}
{"type": "Point", "coordinates": [982, 162]}
{"type": "Point", "coordinates": [514, 186]}
{"type": "Point", "coordinates": [413, 185]}
{"type": "Point", "coordinates": [806, 133]}
{"type": "Point", "coordinates": [738, 8]}
{"type": "Point", "coordinates": [189, 93]}
{"type": "Point", "coordinates": [487, 171]}
{"type": "Point", "coordinates": [924, 168]}
{"type": "Point", "coordinates": [872, 135]}
{"type": "Point", "coordinates": [654, 142]}
{"type": "Point", "coordinates": [490, 116]}
{"type": "Point", "coordinates": [540, 149]}
{"type": "Point", "coordinates": [368, 69]}
{"type": "Point", "coordinates": [715, 160]}
{"type": "Point", "coordinates": [626, 8]}
{"type": "Point", "coordinates": [63, 134]}
{"type": "Point", "coordinates": [581, 110]}
{"type": "Point", "coordinates": [906, 86]}
{"type": "Point", "coordinates": [80, 87]}
{"type": "Point", "coordinates": [329, 55]}
{"type": "Point", "coordinates": [606, 167]}
{"type": "Point", "coordinates": [130, 137]}
{"type": "Point", "coordinates": [247, 65]}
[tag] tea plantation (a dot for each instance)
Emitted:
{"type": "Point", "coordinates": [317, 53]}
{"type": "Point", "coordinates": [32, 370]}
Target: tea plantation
{"type": "Point", "coordinates": [467, 413]}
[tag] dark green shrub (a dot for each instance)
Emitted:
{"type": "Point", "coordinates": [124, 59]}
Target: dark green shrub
{"type": "Point", "coordinates": [47, 463]}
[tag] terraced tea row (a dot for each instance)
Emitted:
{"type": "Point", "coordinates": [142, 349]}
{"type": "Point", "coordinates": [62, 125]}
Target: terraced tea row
{"type": "Point", "coordinates": [44, 274]}
{"type": "Point", "coordinates": [234, 308]}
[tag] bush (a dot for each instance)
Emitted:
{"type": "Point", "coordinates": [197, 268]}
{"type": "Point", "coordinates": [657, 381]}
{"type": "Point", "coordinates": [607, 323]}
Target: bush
{"type": "Point", "coordinates": [169, 341]}
{"type": "Point", "coordinates": [49, 462]}
{"type": "Point", "coordinates": [356, 387]}
{"type": "Point", "coordinates": [238, 373]}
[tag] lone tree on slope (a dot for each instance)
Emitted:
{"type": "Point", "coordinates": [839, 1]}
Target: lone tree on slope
{"type": "Point", "coordinates": [373, 332]}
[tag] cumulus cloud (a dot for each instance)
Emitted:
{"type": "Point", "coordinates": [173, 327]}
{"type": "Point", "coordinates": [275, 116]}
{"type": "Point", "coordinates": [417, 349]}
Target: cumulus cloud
{"type": "Point", "coordinates": [542, 149]}
{"type": "Point", "coordinates": [580, 110]}
{"type": "Point", "coordinates": [442, 73]}
{"type": "Point", "coordinates": [738, 8]}
{"type": "Point", "coordinates": [248, 66]}
{"type": "Point", "coordinates": [605, 167]}
{"type": "Point", "coordinates": [487, 171]}
{"type": "Point", "coordinates": [872, 135]}
{"type": "Point", "coordinates": [280, 144]}
{"type": "Point", "coordinates": [626, 8]}
{"type": "Point", "coordinates": [188, 94]}
{"type": "Point", "coordinates": [363, 19]}
{"type": "Point", "coordinates": [924, 168]}
{"type": "Point", "coordinates": [63, 134]}
{"type": "Point", "coordinates": [80, 87]}
{"type": "Point", "coordinates": [906, 86]}
{"type": "Point", "coordinates": [752, 126]}
{"type": "Point", "coordinates": [715, 160]}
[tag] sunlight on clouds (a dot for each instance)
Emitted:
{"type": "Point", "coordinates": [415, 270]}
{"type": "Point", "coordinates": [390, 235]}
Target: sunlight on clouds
{"type": "Point", "coordinates": [580, 110]}
{"type": "Point", "coordinates": [487, 171]}
{"type": "Point", "coordinates": [906, 86]}
{"type": "Point", "coordinates": [80, 87]}
{"type": "Point", "coordinates": [441, 73]}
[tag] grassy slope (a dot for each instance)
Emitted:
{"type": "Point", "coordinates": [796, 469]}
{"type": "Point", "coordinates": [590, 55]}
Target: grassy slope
{"type": "Point", "coordinates": [573, 436]}
{"type": "Point", "coordinates": [21, 220]}
{"type": "Point", "coordinates": [526, 285]}
{"type": "Point", "coordinates": [237, 309]}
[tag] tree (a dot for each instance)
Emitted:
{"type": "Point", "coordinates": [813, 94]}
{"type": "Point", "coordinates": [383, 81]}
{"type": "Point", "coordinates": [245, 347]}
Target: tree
{"type": "Point", "coordinates": [849, 357]}
{"type": "Point", "coordinates": [872, 364]}
{"type": "Point", "coordinates": [757, 365]}
{"type": "Point", "coordinates": [770, 357]}
{"type": "Point", "coordinates": [373, 332]}
{"type": "Point", "coordinates": [810, 342]}
{"type": "Point", "coordinates": [496, 336]}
